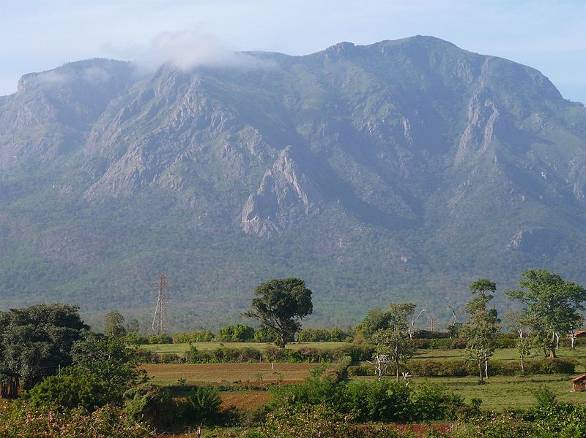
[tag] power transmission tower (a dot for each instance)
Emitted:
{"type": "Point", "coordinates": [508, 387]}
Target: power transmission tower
{"type": "Point", "coordinates": [160, 315]}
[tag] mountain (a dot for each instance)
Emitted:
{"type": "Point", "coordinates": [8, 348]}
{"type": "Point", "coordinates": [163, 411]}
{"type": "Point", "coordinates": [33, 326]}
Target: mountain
{"type": "Point", "coordinates": [394, 171]}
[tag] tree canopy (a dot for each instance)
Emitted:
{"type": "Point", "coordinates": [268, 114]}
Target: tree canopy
{"type": "Point", "coordinates": [36, 341]}
{"type": "Point", "coordinates": [114, 324]}
{"type": "Point", "coordinates": [481, 330]}
{"type": "Point", "coordinates": [280, 305]}
{"type": "Point", "coordinates": [397, 316]}
{"type": "Point", "coordinates": [552, 306]}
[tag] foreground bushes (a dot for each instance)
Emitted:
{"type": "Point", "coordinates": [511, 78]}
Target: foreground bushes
{"type": "Point", "coordinates": [20, 420]}
{"type": "Point", "coordinates": [462, 368]}
{"type": "Point", "coordinates": [156, 406]}
{"type": "Point", "coordinates": [300, 419]}
{"type": "Point", "coordinates": [378, 400]}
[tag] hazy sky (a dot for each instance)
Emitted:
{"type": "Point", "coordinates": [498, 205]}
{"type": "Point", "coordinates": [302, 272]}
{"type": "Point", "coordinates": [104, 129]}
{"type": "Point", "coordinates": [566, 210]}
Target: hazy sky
{"type": "Point", "coordinates": [39, 35]}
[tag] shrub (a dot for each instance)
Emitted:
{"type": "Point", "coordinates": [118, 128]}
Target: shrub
{"type": "Point", "coordinates": [202, 405]}
{"type": "Point", "coordinates": [378, 400]}
{"type": "Point", "coordinates": [151, 404]}
{"type": "Point", "coordinates": [323, 335]}
{"type": "Point", "coordinates": [196, 336]}
{"type": "Point", "coordinates": [427, 334]}
{"type": "Point", "coordinates": [160, 339]}
{"type": "Point", "coordinates": [318, 421]}
{"type": "Point", "coordinates": [461, 368]}
{"type": "Point", "coordinates": [236, 333]}
{"type": "Point", "coordinates": [24, 421]}
{"type": "Point", "coordinates": [263, 334]}
{"type": "Point", "coordinates": [314, 390]}
{"type": "Point", "coordinates": [134, 338]}
{"type": "Point", "coordinates": [432, 402]}
{"type": "Point", "coordinates": [73, 389]}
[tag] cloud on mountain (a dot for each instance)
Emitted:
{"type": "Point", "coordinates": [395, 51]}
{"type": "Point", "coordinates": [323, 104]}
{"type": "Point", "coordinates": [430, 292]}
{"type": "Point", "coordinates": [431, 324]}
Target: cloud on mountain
{"type": "Point", "coordinates": [187, 50]}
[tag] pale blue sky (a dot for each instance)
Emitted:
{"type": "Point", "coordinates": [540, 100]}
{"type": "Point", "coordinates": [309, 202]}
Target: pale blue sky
{"type": "Point", "coordinates": [39, 35]}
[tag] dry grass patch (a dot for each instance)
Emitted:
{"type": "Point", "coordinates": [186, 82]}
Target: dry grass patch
{"type": "Point", "coordinates": [245, 400]}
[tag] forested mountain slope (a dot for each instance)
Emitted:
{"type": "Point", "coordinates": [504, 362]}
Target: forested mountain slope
{"type": "Point", "coordinates": [395, 171]}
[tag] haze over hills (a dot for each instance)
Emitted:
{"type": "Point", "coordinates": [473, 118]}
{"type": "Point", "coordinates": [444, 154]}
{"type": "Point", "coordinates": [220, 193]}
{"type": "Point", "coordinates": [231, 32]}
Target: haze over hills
{"type": "Point", "coordinates": [395, 171]}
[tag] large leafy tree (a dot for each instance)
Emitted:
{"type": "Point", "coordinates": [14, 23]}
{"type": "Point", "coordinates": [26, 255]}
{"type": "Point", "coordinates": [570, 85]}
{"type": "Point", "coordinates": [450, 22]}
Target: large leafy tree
{"type": "Point", "coordinates": [35, 342]}
{"type": "Point", "coordinates": [280, 305]}
{"type": "Point", "coordinates": [482, 329]}
{"type": "Point", "coordinates": [552, 307]}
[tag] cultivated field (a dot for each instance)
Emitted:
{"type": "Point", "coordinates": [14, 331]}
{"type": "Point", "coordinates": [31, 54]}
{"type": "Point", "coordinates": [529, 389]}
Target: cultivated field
{"type": "Point", "coordinates": [229, 373]}
{"type": "Point", "coordinates": [499, 393]}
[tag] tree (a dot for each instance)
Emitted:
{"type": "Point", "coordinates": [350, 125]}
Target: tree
{"type": "Point", "coordinates": [280, 305]}
{"type": "Point", "coordinates": [114, 324]}
{"type": "Point", "coordinates": [394, 347]}
{"type": "Point", "coordinates": [35, 342]}
{"type": "Point", "coordinates": [378, 319]}
{"type": "Point", "coordinates": [393, 342]}
{"type": "Point", "coordinates": [111, 361]}
{"type": "Point", "coordinates": [517, 324]}
{"type": "Point", "coordinates": [103, 369]}
{"type": "Point", "coordinates": [552, 307]}
{"type": "Point", "coordinates": [481, 330]}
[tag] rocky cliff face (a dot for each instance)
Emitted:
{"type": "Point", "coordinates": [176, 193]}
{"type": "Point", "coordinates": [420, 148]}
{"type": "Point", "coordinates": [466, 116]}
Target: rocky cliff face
{"type": "Point", "coordinates": [372, 171]}
{"type": "Point", "coordinates": [285, 195]}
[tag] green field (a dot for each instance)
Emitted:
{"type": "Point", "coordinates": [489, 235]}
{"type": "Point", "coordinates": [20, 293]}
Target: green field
{"type": "Point", "coordinates": [205, 346]}
{"type": "Point", "coordinates": [501, 354]}
{"type": "Point", "coordinates": [499, 393]}
{"type": "Point", "coordinates": [510, 392]}
{"type": "Point", "coordinates": [437, 354]}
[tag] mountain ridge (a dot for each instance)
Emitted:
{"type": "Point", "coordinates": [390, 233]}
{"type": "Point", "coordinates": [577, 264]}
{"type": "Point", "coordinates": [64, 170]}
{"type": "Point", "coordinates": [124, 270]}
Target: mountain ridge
{"type": "Point", "coordinates": [384, 172]}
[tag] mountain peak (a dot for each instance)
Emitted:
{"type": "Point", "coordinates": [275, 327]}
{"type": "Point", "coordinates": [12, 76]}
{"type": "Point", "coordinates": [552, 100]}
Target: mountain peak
{"type": "Point", "coordinates": [410, 163]}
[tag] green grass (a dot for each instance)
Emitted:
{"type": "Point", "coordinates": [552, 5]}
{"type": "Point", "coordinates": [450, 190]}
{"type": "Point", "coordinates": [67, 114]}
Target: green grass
{"type": "Point", "coordinates": [579, 354]}
{"type": "Point", "coordinates": [509, 392]}
{"type": "Point", "coordinates": [206, 346]}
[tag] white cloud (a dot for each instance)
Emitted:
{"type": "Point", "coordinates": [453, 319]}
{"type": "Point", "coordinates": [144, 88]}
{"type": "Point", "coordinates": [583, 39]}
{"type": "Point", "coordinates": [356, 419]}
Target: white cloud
{"type": "Point", "coordinates": [187, 50]}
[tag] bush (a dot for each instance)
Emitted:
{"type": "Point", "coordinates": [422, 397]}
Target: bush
{"type": "Point", "coordinates": [202, 405]}
{"type": "Point", "coordinates": [317, 421]}
{"type": "Point", "coordinates": [160, 339]}
{"type": "Point", "coordinates": [432, 402]}
{"type": "Point", "coordinates": [314, 390]}
{"type": "Point", "coordinates": [427, 334]}
{"type": "Point", "coordinates": [323, 335]}
{"type": "Point", "coordinates": [23, 421]}
{"type": "Point", "coordinates": [263, 334]}
{"type": "Point", "coordinates": [151, 404]}
{"type": "Point", "coordinates": [134, 338]}
{"type": "Point", "coordinates": [196, 336]}
{"type": "Point", "coordinates": [461, 368]}
{"type": "Point", "coordinates": [378, 400]}
{"type": "Point", "coordinates": [72, 389]}
{"type": "Point", "coordinates": [236, 333]}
